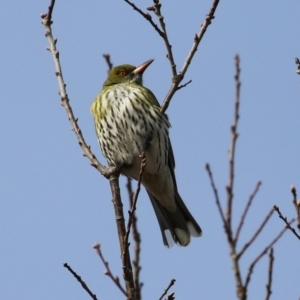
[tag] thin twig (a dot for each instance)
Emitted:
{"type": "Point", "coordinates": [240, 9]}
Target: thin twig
{"type": "Point", "coordinates": [137, 244]}
{"type": "Point", "coordinates": [296, 205]}
{"type": "Point", "coordinates": [177, 77]}
{"type": "Point", "coordinates": [297, 62]}
{"type": "Point", "coordinates": [126, 262]}
{"type": "Point", "coordinates": [258, 231]}
{"type": "Point", "coordinates": [135, 198]}
{"type": "Point", "coordinates": [83, 284]}
{"type": "Point", "coordinates": [184, 85]}
{"type": "Point", "coordinates": [157, 11]}
{"type": "Point", "coordinates": [226, 219]}
{"type": "Point", "coordinates": [167, 289]}
{"type": "Point", "coordinates": [108, 272]}
{"type": "Point", "coordinates": [156, 8]}
{"type": "Point", "coordinates": [171, 296]}
{"type": "Point", "coordinates": [234, 136]}
{"type": "Point", "coordinates": [146, 16]}
{"type": "Point", "coordinates": [133, 207]}
{"type": "Point", "coordinates": [197, 39]}
{"type": "Point", "coordinates": [243, 217]}
{"type": "Point", "coordinates": [48, 16]}
{"type": "Point", "coordinates": [65, 99]}
{"type": "Point", "coordinates": [256, 260]}
{"type": "Point", "coordinates": [108, 61]}
{"type": "Point", "coordinates": [240, 290]}
{"type": "Point", "coordinates": [270, 274]}
{"type": "Point", "coordinates": [288, 226]}
{"type": "Point", "coordinates": [212, 183]}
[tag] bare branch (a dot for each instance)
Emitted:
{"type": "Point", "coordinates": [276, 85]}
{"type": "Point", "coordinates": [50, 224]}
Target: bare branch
{"type": "Point", "coordinates": [257, 259]}
{"type": "Point", "coordinates": [197, 39]}
{"type": "Point", "coordinates": [297, 62]}
{"type": "Point", "coordinates": [157, 11]}
{"type": "Point", "coordinates": [65, 100]}
{"type": "Point", "coordinates": [83, 284]}
{"type": "Point", "coordinates": [243, 217]}
{"type": "Point", "coordinates": [118, 207]}
{"type": "Point", "coordinates": [184, 85]}
{"type": "Point", "coordinates": [258, 231]}
{"type": "Point", "coordinates": [240, 290]}
{"type": "Point", "coordinates": [167, 289]}
{"type": "Point", "coordinates": [108, 61]}
{"type": "Point", "coordinates": [212, 183]}
{"type": "Point", "coordinates": [288, 226]}
{"type": "Point", "coordinates": [296, 204]}
{"type": "Point", "coordinates": [234, 136]}
{"type": "Point", "coordinates": [156, 8]}
{"type": "Point", "coordinates": [231, 243]}
{"type": "Point", "coordinates": [171, 296]}
{"type": "Point", "coordinates": [133, 207]}
{"type": "Point", "coordinates": [177, 77]}
{"type": "Point", "coordinates": [146, 16]}
{"type": "Point", "coordinates": [108, 272]}
{"type": "Point", "coordinates": [270, 274]}
{"type": "Point", "coordinates": [137, 245]}
{"type": "Point", "coordinates": [48, 17]}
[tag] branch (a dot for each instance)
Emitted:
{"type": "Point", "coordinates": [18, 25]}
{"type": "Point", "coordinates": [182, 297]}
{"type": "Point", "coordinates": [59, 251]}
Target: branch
{"type": "Point", "coordinates": [132, 210]}
{"type": "Point", "coordinates": [135, 198]}
{"type": "Point", "coordinates": [212, 183]}
{"type": "Point", "coordinates": [176, 77]}
{"type": "Point", "coordinates": [118, 207]}
{"type": "Point", "coordinates": [108, 61]}
{"type": "Point", "coordinates": [48, 16]}
{"type": "Point", "coordinates": [157, 10]}
{"type": "Point", "coordinates": [197, 39]}
{"type": "Point", "coordinates": [137, 244]}
{"type": "Point", "coordinates": [65, 100]}
{"type": "Point", "coordinates": [256, 260]}
{"type": "Point", "coordinates": [243, 217]}
{"type": "Point", "coordinates": [231, 243]}
{"type": "Point", "coordinates": [166, 290]}
{"type": "Point", "coordinates": [297, 62]}
{"type": "Point", "coordinates": [234, 136]}
{"type": "Point", "coordinates": [146, 16]}
{"type": "Point", "coordinates": [255, 234]}
{"type": "Point", "coordinates": [296, 204]}
{"type": "Point", "coordinates": [108, 272]}
{"type": "Point", "coordinates": [288, 226]}
{"type": "Point", "coordinates": [184, 85]}
{"type": "Point", "coordinates": [93, 296]}
{"type": "Point", "coordinates": [270, 274]}
{"type": "Point", "coordinates": [171, 296]}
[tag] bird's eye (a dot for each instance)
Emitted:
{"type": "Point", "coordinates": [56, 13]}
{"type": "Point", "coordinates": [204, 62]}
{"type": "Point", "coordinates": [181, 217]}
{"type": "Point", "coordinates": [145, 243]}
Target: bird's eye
{"type": "Point", "coordinates": [122, 73]}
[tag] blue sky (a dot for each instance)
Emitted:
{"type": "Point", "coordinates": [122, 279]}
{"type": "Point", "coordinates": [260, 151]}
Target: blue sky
{"type": "Point", "coordinates": [54, 206]}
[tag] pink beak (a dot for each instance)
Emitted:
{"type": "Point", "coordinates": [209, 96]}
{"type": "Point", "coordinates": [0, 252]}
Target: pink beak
{"type": "Point", "coordinates": [140, 69]}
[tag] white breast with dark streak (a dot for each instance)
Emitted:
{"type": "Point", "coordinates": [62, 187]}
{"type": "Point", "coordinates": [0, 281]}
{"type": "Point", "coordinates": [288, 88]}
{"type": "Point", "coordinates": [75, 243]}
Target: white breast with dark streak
{"type": "Point", "coordinates": [131, 126]}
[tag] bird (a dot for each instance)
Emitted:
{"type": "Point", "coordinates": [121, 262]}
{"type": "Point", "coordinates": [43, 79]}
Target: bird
{"type": "Point", "coordinates": [128, 122]}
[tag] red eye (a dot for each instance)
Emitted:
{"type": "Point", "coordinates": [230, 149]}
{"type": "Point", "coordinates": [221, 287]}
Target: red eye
{"type": "Point", "coordinates": [122, 73]}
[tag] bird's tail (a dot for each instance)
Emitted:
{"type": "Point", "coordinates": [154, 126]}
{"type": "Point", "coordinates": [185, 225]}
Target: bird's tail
{"type": "Point", "coordinates": [176, 226]}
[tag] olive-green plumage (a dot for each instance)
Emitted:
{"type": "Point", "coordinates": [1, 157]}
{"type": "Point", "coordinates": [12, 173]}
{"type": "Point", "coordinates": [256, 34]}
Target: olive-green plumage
{"type": "Point", "coordinates": [128, 122]}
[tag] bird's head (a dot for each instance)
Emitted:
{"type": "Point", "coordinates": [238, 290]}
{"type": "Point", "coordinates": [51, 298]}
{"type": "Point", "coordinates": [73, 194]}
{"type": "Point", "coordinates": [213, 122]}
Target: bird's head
{"type": "Point", "coordinates": [127, 73]}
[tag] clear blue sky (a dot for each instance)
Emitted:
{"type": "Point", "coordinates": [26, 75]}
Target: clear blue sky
{"type": "Point", "coordinates": [54, 206]}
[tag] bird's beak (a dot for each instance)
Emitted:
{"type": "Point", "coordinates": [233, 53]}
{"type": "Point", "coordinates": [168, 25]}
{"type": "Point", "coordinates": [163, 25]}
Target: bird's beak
{"type": "Point", "coordinates": [140, 69]}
